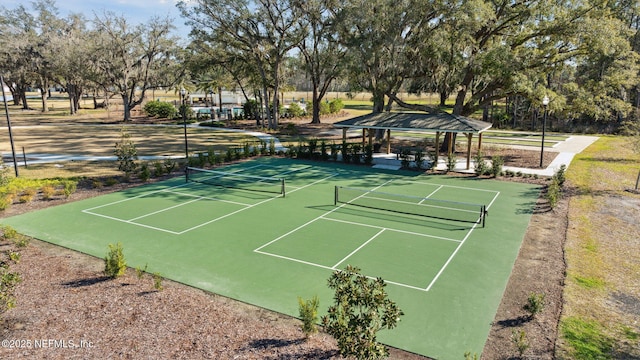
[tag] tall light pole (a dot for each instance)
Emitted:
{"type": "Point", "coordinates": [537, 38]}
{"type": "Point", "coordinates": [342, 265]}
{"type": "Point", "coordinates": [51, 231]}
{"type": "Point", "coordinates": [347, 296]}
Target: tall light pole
{"type": "Point", "coordinates": [6, 109]}
{"type": "Point", "coordinates": [545, 103]}
{"type": "Point", "coordinates": [183, 92]}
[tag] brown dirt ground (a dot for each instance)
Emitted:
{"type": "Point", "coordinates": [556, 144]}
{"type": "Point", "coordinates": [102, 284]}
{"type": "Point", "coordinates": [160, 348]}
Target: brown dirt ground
{"type": "Point", "coordinates": [64, 296]}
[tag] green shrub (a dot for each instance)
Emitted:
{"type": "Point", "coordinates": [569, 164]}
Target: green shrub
{"type": "Point", "coordinates": [145, 173]}
{"type": "Point", "coordinates": [535, 304]}
{"type": "Point", "coordinates": [228, 155]}
{"type": "Point", "coordinates": [272, 146]}
{"type": "Point", "coordinates": [480, 164]}
{"type": "Point", "coordinates": [405, 158]}
{"type": "Point", "coordinates": [158, 169]}
{"type": "Point", "coordinates": [346, 156]}
{"type": "Point", "coordinates": [70, 187]}
{"type": "Point", "coordinates": [335, 106]}
{"type": "Point", "coordinates": [368, 154]}
{"type": "Point", "coordinates": [127, 154]}
{"type": "Point", "coordinates": [114, 263]}
{"type": "Point", "coordinates": [9, 233]}
{"type": "Point", "coordinates": [186, 112]}
{"type": "Point", "coordinates": [309, 314]}
{"type": "Point", "coordinates": [295, 110]}
{"type": "Point", "coordinates": [325, 108]}
{"type": "Point", "coordinates": [355, 153]}
{"type": "Point", "coordinates": [323, 150]}
{"type": "Point", "coordinates": [48, 191]}
{"type": "Point", "coordinates": [157, 281]}
{"type": "Point", "coordinates": [140, 272]}
{"type": "Point", "coordinates": [263, 147]}
{"type": "Point", "coordinates": [14, 256]}
{"type": "Point", "coordinates": [169, 165]}
{"type": "Point", "coordinates": [333, 148]}
{"type": "Point", "coordinates": [361, 309]}
{"type": "Point", "coordinates": [553, 193]}
{"type": "Point", "coordinates": [520, 341]}
{"type": "Point", "coordinates": [251, 108]}
{"type": "Point", "coordinates": [497, 162]}
{"type": "Point", "coordinates": [111, 181]}
{"type": "Point", "coordinates": [469, 356]}
{"type": "Point", "coordinates": [560, 175]}
{"type": "Point", "coordinates": [160, 109]}
{"type": "Point", "coordinates": [451, 162]}
{"type": "Point", "coordinates": [8, 282]}
{"type": "Point", "coordinates": [5, 202]}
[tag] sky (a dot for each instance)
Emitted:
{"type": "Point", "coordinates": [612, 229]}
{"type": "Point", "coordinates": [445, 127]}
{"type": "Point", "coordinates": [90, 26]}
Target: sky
{"type": "Point", "coordinates": [136, 11]}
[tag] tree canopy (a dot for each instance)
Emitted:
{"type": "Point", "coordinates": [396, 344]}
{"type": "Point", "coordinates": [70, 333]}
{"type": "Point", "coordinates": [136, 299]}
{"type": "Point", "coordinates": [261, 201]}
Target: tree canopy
{"type": "Point", "coordinates": [582, 54]}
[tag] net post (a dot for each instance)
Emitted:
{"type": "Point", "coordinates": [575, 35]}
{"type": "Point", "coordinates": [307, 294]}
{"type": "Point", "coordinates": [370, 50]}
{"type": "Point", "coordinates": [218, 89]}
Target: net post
{"type": "Point", "coordinates": [283, 188]}
{"type": "Point", "coordinates": [186, 174]}
{"type": "Point", "coordinates": [484, 214]}
{"type": "Point", "coordinates": [335, 196]}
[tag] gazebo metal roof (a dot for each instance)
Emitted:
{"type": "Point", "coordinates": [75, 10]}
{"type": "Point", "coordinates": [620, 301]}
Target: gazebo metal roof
{"type": "Point", "coordinates": [406, 121]}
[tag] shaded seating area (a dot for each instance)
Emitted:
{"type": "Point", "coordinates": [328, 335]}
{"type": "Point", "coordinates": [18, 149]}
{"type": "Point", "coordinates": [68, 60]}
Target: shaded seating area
{"type": "Point", "coordinates": [440, 124]}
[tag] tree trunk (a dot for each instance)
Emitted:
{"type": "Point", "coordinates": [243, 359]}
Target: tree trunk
{"type": "Point", "coordinates": [45, 106]}
{"type": "Point", "coordinates": [443, 98]}
{"type": "Point", "coordinates": [315, 105]}
{"type": "Point", "coordinates": [378, 101]}
{"type": "Point", "coordinates": [127, 109]}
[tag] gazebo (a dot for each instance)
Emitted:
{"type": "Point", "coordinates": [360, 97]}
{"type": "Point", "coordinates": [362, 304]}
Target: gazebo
{"type": "Point", "coordinates": [422, 122]}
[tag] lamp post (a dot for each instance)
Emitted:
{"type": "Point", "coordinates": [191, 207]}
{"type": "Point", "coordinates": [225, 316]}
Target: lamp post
{"type": "Point", "coordinates": [545, 103]}
{"type": "Point", "coordinates": [212, 104]}
{"type": "Point", "coordinates": [6, 109]}
{"type": "Point", "coordinates": [183, 92]}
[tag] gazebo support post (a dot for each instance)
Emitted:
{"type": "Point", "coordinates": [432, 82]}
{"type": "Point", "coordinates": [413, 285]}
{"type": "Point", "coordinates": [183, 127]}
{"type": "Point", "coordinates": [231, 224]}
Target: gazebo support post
{"type": "Point", "coordinates": [479, 142]}
{"type": "Point", "coordinates": [388, 141]}
{"type": "Point", "coordinates": [469, 137]}
{"type": "Point", "coordinates": [344, 134]}
{"type": "Point", "coordinates": [364, 137]}
{"type": "Point", "coordinates": [437, 150]}
{"type": "Point", "coordinates": [450, 149]}
{"type": "Point", "coordinates": [371, 138]}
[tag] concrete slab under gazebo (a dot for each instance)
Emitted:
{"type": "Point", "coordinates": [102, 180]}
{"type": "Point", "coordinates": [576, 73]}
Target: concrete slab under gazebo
{"type": "Point", "coordinates": [421, 122]}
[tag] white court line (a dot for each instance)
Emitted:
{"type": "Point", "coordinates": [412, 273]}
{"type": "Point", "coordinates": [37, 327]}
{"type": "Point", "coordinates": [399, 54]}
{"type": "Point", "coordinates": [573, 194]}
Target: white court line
{"type": "Point", "coordinates": [163, 210]}
{"type": "Point", "coordinates": [430, 195]}
{"type": "Point", "coordinates": [358, 249]}
{"type": "Point", "coordinates": [251, 206]}
{"type": "Point", "coordinates": [333, 269]}
{"type": "Point", "coordinates": [131, 223]}
{"type": "Point", "coordinates": [394, 230]}
{"type": "Point", "coordinates": [169, 189]}
{"type": "Point", "coordinates": [425, 205]}
{"type": "Point", "coordinates": [452, 186]}
{"type": "Point", "coordinates": [209, 198]}
{"type": "Point", "coordinates": [458, 248]}
{"type": "Point", "coordinates": [309, 222]}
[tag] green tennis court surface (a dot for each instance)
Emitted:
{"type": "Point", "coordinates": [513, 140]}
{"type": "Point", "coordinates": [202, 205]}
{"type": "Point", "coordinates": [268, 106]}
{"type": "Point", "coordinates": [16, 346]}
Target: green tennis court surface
{"type": "Point", "coordinates": [267, 249]}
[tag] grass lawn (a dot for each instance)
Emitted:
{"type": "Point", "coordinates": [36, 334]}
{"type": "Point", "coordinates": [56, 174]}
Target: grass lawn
{"type": "Point", "coordinates": [600, 315]}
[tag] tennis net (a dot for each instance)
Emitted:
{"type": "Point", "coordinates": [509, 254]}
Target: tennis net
{"type": "Point", "coordinates": [411, 205]}
{"type": "Point", "coordinates": [236, 180]}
